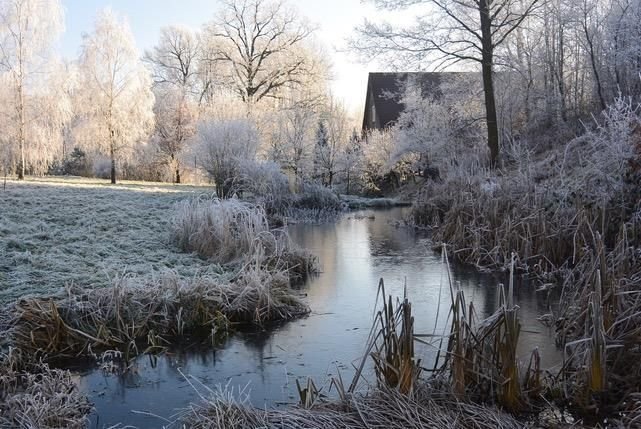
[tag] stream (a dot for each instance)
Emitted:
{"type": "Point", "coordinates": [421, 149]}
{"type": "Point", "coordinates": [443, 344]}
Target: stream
{"type": "Point", "coordinates": [354, 254]}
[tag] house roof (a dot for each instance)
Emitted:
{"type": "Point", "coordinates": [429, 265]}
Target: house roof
{"type": "Point", "coordinates": [385, 90]}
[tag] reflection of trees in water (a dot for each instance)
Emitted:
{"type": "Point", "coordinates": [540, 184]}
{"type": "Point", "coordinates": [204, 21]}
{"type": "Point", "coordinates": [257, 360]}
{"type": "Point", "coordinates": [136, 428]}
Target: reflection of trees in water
{"type": "Point", "coordinates": [483, 289]}
{"type": "Point", "coordinates": [388, 239]}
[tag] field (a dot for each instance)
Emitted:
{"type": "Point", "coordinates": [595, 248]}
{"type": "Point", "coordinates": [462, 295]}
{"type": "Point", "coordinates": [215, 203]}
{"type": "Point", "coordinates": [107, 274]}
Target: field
{"type": "Point", "coordinates": [61, 231]}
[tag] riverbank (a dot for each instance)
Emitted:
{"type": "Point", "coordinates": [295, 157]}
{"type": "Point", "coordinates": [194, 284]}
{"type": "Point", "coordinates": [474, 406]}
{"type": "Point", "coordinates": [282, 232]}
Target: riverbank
{"type": "Point", "coordinates": [355, 202]}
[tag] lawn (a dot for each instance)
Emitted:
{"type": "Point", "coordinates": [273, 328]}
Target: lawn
{"type": "Point", "coordinates": [60, 231]}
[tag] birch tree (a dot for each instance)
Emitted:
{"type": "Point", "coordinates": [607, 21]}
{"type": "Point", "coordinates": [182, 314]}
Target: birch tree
{"type": "Point", "coordinates": [28, 28]}
{"type": "Point", "coordinates": [117, 95]}
{"type": "Point", "coordinates": [448, 32]}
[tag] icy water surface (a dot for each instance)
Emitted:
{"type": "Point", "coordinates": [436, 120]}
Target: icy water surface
{"type": "Point", "coordinates": [354, 254]}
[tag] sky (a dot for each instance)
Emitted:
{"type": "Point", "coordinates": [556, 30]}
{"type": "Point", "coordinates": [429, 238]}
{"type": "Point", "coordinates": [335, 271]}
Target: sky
{"type": "Point", "coordinates": [335, 20]}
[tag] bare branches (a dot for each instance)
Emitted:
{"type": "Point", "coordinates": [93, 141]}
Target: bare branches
{"type": "Point", "coordinates": [260, 44]}
{"type": "Point", "coordinates": [174, 59]}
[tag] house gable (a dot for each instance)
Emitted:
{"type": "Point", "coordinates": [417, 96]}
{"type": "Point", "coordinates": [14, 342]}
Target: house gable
{"type": "Point", "coordinates": [383, 104]}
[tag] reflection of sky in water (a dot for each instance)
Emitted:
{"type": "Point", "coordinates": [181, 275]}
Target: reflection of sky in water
{"type": "Point", "coordinates": [354, 254]}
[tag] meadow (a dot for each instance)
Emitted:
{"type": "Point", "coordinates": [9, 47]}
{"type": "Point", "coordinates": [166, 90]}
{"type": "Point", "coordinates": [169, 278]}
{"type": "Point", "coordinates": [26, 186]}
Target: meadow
{"type": "Point", "coordinates": [58, 232]}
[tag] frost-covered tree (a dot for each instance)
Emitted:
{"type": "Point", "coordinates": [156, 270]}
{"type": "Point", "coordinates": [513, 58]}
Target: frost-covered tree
{"type": "Point", "coordinates": [175, 118]}
{"type": "Point", "coordinates": [260, 45]}
{"type": "Point", "coordinates": [449, 32]}
{"type": "Point", "coordinates": [377, 155]}
{"type": "Point", "coordinates": [624, 45]}
{"type": "Point", "coordinates": [222, 147]}
{"type": "Point", "coordinates": [350, 161]}
{"type": "Point", "coordinates": [321, 143]}
{"type": "Point", "coordinates": [52, 114]}
{"type": "Point", "coordinates": [435, 129]}
{"type": "Point", "coordinates": [174, 62]}
{"type": "Point", "coordinates": [331, 138]}
{"type": "Point", "coordinates": [28, 29]}
{"type": "Point", "coordinates": [292, 138]}
{"type": "Point", "coordinates": [116, 88]}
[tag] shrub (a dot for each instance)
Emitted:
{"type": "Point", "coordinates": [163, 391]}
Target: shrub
{"type": "Point", "coordinates": [222, 146]}
{"type": "Point", "coordinates": [316, 196]}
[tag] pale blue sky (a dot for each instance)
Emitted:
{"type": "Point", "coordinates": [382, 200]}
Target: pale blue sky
{"type": "Point", "coordinates": [334, 18]}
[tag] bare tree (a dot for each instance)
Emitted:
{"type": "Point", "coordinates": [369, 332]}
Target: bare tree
{"type": "Point", "coordinates": [117, 97]}
{"type": "Point", "coordinates": [451, 32]}
{"type": "Point", "coordinates": [175, 58]}
{"type": "Point", "coordinates": [27, 30]}
{"type": "Point", "coordinates": [260, 44]}
{"type": "Point", "coordinates": [292, 137]}
{"type": "Point", "coordinates": [591, 21]}
{"type": "Point", "coordinates": [174, 62]}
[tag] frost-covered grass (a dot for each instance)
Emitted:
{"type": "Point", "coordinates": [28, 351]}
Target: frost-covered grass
{"type": "Point", "coordinates": [231, 232]}
{"type": "Point", "coordinates": [59, 231]}
{"type": "Point", "coordinates": [379, 408]}
{"type": "Point", "coordinates": [40, 397]}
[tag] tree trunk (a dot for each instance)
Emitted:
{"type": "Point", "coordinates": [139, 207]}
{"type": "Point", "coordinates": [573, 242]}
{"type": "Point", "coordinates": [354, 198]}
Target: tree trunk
{"type": "Point", "coordinates": [112, 152]}
{"type": "Point", "coordinates": [593, 58]}
{"type": "Point", "coordinates": [21, 131]}
{"type": "Point", "coordinates": [488, 83]}
{"type": "Point", "coordinates": [177, 174]}
{"type": "Point", "coordinates": [348, 177]}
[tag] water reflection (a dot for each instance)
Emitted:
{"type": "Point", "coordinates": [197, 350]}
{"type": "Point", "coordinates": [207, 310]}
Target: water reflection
{"type": "Point", "coordinates": [354, 254]}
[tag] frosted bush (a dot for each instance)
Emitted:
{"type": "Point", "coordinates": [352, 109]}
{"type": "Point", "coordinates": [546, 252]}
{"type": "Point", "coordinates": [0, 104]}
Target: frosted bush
{"type": "Point", "coordinates": [594, 165]}
{"type": "Point", "coordinates": [221, 147]}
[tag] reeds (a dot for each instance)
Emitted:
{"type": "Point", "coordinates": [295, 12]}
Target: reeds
{"type": "Point", "coordinates": [480, 359]}
{"type": "Point", "coordinates": [600, 330]}
{"type": "Point", "coordinates": [134, 318]}
{"type": "Point", "coordinates": [391, 345]}
{"type": "Point", "coordinates": [484, 218]}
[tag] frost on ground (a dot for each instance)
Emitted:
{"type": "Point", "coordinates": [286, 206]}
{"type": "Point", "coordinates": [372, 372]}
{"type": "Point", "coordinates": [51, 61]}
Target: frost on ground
{"type": "Point", "coordinates": [58, 231]}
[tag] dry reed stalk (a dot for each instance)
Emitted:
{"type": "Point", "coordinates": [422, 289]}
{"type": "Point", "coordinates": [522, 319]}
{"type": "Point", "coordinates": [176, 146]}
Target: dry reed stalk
{"type": "Point", "coordinates": [480, 359]}
{"type": "Point", "coordinates": [600, 329]}
{"type": "Point", "coordinates": [391, 345]}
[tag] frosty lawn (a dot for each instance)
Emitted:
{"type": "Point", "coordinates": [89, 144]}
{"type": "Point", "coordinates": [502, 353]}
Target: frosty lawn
{"type": "Point", "coordinates": [60, 231]}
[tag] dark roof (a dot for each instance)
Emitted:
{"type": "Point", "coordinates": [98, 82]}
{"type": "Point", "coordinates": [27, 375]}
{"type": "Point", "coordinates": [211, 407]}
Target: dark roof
{"type": "Point", "coordinates": [386, 90]}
